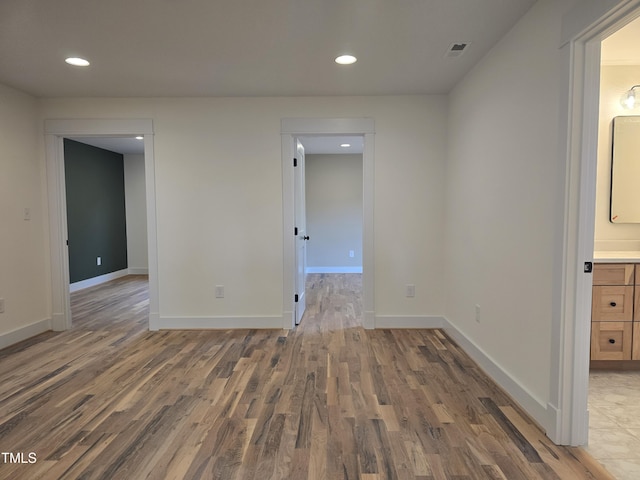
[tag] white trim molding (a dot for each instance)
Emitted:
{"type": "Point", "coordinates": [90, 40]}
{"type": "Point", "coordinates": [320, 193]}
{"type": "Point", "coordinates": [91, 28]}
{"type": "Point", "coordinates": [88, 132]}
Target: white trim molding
{"type": "Point", "coordinates": [23, 333]}
{"type": "Point", "coordinates": [219, 323]}
{"type": "Point", "coordinates": [410, 321]}
{"type": "Point", "coordinates": [100, 279]}
{"type": "Point", "coordinates": [138, 271]}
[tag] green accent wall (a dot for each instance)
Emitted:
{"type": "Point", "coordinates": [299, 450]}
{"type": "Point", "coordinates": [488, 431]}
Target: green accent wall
{"type": "Point", "coordinates": [96, 216]}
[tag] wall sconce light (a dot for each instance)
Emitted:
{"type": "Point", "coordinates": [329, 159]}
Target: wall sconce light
{"type": "Point", "coordinates": [629, 99]}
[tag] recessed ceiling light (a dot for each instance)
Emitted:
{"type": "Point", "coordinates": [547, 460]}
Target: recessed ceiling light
{"type": "Point", "coordinates": [346, 59]}
{"type": "Point", "coordinates": [77, 62]}
{"type": "Point", "coordinates": [345, 145]}
{"type": "Point", "coordinates": [139, 137]}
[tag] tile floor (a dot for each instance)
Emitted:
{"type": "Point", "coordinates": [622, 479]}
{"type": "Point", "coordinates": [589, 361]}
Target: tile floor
{"type": "Point", "coordinates": [614, 422]}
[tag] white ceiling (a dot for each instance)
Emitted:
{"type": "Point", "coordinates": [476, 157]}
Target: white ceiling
{"type": "Point", "coordinates": [254, 47]}
{"type": "Point", "coordinates": [312, 144]}
{"type": "Point", "coordinates": [245, 47]}
{"type": "Point", "coordinates": [124, 145]}
{"type": "Point", "coordinates": [623, 47]}
{"type": "Point", "coordinates": [331, 145]}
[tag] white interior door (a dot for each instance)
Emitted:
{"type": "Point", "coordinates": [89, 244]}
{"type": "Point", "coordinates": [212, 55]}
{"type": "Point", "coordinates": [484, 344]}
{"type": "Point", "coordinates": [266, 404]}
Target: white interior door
{"type": "Point", "coordinates": [300, 231]}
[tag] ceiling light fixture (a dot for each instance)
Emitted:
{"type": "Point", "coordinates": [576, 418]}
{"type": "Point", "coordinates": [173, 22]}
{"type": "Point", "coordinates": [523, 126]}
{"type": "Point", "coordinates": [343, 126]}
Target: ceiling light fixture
{"type": "Point", "coordinates": [77, 62]}
{"type": "Point", "coordinates": [139, 137]}
{"type": "Point", "coordinates": [345, 145]}
{"type": "Point", "coordinates": [629, 99]}
{"type": "Point", "coordinates": [346, 59]}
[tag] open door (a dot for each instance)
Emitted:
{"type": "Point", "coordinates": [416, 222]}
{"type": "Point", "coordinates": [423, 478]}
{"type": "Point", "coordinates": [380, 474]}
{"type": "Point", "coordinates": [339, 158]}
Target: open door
{"type": "Point", "coordinates": [300, 231]}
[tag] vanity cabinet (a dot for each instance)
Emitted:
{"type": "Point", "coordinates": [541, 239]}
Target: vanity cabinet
{"type": "Point", "coordinates": [615, 312]}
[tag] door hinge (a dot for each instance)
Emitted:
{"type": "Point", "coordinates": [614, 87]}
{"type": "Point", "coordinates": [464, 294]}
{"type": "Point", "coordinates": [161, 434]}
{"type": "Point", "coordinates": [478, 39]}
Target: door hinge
{"type": "Point", "coordinates": [295, 162]}
{"type": "Point", "coordinates": [295, 230]}
{"type": "Point", "coordinates": [588, 267]}
{"type": "Point", "coordinates": [295, 298]}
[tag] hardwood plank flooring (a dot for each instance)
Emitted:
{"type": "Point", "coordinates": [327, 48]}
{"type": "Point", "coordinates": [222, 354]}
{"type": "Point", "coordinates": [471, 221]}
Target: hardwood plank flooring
{"type": "Point", "coordinates": [328, 400]}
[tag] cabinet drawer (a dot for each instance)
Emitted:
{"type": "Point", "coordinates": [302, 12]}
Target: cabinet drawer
{"type": "Point", "coordinates": [611, 340]}
{"type": "Point", "coordinates": [612, 304]}
{"type": "Point", "coordinates": [614, 274]}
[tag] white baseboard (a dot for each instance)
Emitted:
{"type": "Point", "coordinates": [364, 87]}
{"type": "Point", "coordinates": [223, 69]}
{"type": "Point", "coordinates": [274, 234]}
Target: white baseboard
{"type": "Point", "coordinates": [334, 269]}
{"type": "Point", "coordinates": [553, 425]}
{"type": "Point", "coordinates": [369, 320]}
{"type": "Point", "coordinates": [22, 333]}
{"type": "Point", "coordinates": [532, 405]}
{"type": "Point", "coordinates": [137, 271]}
{"type": "Point", "coordinates": [92, 282]}
{"type": "Point", "coordinates": [409, 321]}
{"type": "Point", "coordinates": [154, 321]}
{"type": "Point", "coordinates": [58, 322]}
{"type": "Point", "coordinates": [218, 323]}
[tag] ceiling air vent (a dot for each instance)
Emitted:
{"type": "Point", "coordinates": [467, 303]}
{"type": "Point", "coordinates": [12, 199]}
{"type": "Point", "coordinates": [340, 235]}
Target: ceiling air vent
{"type": "Point", "coordinates": [457, 49]}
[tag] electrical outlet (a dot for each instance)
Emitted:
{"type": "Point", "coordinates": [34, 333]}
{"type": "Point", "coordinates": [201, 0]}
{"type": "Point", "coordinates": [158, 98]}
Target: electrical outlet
{"type": "Point", "coordinates": [99, 261]}
{"type": "Point", "coordinates": [1, 305]}
{"type": "Point", "coordinates": [219, 291]}
{"type": "Point", "coordinates": [478, 313]}
{"type": "Point", "coordinates": [411, 291]}
{"type": "Point", "coordinates": [351, 254]}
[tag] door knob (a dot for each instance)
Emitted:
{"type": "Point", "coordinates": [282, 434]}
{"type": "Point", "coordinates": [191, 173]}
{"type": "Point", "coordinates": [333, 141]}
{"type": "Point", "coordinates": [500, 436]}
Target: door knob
{"type": "Point", "coordinates": [306, 237]}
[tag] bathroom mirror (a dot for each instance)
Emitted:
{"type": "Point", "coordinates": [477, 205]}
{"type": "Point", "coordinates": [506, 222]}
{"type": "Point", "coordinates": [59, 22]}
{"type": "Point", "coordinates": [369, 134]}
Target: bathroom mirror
{"type": "Point", "coordinates": [625, 170]}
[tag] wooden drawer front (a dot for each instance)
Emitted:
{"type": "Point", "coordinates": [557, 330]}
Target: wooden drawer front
{"type": "Point", "coordinates": [612, 304]}
{"type": "Point", "coordinates": [614, 274]}
{"type": "Point", "coordinates": [611, 340]}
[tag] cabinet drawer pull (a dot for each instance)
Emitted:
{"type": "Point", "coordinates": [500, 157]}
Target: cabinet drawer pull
{"type": "Point", "coordinates": [613, 304]}
{"type": "Point", "coordinates": [611, 340]}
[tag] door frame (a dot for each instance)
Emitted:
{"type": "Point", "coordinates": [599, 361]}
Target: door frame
{"type": "Point", "coordinates": [291, 128]}
{"type": "Point", "coordinates": [583, 29]}
{"type": "Point", "coordinates": [55, 132]}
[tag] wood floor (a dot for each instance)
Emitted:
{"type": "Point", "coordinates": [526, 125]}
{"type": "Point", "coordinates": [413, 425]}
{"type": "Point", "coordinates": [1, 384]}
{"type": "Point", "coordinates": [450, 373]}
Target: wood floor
{"type": "Point", "coordinates": [328, 400]}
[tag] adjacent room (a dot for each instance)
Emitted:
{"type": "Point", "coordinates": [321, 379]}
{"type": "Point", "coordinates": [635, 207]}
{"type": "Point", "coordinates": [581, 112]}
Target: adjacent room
{"type": "Point", "coordinates": [614, 391]}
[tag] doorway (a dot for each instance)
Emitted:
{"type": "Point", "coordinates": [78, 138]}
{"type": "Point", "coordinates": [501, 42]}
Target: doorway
{"type": "Point", "coordinates": [333, 212]}
{"type": "Point", "coordinates": [584, 28]}
{"type": "Point", "coordinates": [613, 392]}
{"type": "Point", "coordinates": [55, 132]}
{"type": "Point", "coordinates": [106, 209]}
{"type": "Point", "coordinates": [291, 129]}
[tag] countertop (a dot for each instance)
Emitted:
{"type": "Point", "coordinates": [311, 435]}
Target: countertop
{"type": "Point", "coordinates": [616, 257]}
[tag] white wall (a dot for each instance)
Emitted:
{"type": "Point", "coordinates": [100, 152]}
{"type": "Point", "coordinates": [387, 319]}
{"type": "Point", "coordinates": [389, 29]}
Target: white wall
{"type": "Point", "coordinates": [136, 211]}
{"type": "Point", "coordinates": [24, 274]}
{"type": "Point", "coordinates": [334, 212]}
{"type": "Point", "coordinates": [504, 204]}
{"type": "Point", "coordinates": [219, 198]}
{"type": "Point", "coordinates": [614, 81]}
